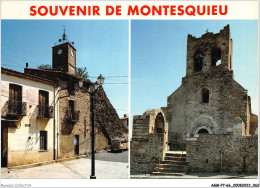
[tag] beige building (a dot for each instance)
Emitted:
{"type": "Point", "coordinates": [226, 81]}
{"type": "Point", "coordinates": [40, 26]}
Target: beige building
{"type": "Point", "coordinates": [32, 131]}
{"type": "Point", "coordinates": [27, 118]}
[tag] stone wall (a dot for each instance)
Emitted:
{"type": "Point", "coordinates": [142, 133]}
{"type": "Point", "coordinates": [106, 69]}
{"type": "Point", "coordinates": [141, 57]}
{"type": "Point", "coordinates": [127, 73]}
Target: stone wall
{"type": "Point", "coordinates": [69, 129]}
{"type": "Point", "coordinates": [205, 45]}
{"type": "Point", "coordinates": [239, 154]}
{"type": "Point", "coordinates": [107, 123]}
{"type": "Point", "coordinates": [227, 100]}
{"type": "Point", "coordinates": [147, 146]}
{"type": "Point", "coordinates": [186, 112]}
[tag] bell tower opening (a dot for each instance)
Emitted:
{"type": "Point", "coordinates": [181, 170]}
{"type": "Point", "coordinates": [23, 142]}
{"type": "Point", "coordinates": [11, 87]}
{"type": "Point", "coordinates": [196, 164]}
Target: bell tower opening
{"type": "Point", "coordinates": [198, 61]}
{"type": "Point", "coordinates": [208, 51]}
{"type": "Point", "coordinates": [215, 57]}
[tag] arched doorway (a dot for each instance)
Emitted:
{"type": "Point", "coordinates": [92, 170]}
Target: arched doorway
{"type": "Point", "coordinates": [159, 123]}
{"type": "Point", "coordinates": [203, 131]}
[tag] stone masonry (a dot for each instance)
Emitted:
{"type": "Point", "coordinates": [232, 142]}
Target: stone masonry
{"type": "Point", "coordinates": [236, 154]}
{"type": "Point", "coordinates": [227, 100]}
{"type": "Point", "coordinates": [209, 115]}
{"type": "Point", "coordinates": [148, 145]}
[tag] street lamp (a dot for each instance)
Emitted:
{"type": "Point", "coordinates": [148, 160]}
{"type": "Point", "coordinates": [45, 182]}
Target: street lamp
{"type": "Point", "coordinates": [100, 81]}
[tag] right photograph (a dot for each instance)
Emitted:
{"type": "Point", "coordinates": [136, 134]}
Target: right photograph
{"type": "Point", "coordinates": [194, 99]}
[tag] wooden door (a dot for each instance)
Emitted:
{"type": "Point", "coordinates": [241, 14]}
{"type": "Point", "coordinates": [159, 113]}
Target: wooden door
{"type": "Point", "coordinates": [4, 146]}
{"type": "Point", "coordinates": [43, 103]}
{"type": "Point", "coordinates": [15, 96]}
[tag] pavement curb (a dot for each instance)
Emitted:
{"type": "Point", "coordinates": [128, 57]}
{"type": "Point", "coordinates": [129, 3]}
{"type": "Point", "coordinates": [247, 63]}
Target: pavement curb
{"type": "Point", "coordinates": [46, 162]}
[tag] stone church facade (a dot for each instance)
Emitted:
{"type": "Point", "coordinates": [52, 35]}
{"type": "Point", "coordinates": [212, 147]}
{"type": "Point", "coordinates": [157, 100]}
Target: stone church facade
{"type": "Point", "coordinates": [209, 100]}
{"type": "Point", "coordinates": [208, 123]}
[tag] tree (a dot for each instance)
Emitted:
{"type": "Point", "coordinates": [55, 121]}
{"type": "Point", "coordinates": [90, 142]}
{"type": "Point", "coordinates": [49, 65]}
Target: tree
{"type": "Point", "coordinates": [82, 72]}
{"type": "Point", "coordinates": [44, 66]}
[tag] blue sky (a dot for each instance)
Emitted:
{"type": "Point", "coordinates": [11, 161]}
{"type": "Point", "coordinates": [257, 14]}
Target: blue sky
{"type": "Point", "coordinates": [102, 46]}
{"type": "Point", "coordinates": [158, 58]}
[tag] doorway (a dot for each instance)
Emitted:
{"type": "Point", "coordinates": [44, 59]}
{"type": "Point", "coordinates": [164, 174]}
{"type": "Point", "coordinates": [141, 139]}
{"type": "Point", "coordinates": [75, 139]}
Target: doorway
{"type": "Point", "coordinates": [76, 144]}
{"type": "Point", "coordinates": [4, 146]}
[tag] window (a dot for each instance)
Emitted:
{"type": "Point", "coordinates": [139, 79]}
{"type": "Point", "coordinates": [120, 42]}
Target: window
{"type": "Point", "coordinates": [205, 95]}
{"type": "Point", "coordinates": [43, 140]}
{"type": "Point", "coordinates": [215, 57]}
{"type": "Point", "coordinates": [198, 61]}
{"type": "Point", "coordinates": [71, 106]}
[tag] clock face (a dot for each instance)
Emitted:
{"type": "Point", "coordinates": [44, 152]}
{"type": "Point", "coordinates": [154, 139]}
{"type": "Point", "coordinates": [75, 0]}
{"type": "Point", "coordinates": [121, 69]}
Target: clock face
{"type": "Point", "coordinates": [59, 51]}
{"type": "Point", "coordinates": [71, 52]}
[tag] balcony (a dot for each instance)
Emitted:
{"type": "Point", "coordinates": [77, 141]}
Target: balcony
{"type": "Point", "coordinates": [73, 116]}
{"type": "Point", "coordinates": [16, 108]}
{"type": "Point", "coordinates": [45, 111]}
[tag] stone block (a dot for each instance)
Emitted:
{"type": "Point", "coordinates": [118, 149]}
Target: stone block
{"type": "Point", "coordinates": [141, 151]}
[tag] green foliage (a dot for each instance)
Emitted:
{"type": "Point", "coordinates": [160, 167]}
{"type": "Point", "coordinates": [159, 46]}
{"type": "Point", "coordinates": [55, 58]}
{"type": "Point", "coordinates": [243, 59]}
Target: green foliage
{"type": "Point", "coordinates": [82, 72]}
{"type": "Point", "coordinates": [44, 66]}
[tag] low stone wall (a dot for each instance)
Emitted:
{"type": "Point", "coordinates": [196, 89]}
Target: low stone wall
{"type": "Point", "coordinates": [239, 154]}
{"type": "Point", "coordinates": [146, 148]}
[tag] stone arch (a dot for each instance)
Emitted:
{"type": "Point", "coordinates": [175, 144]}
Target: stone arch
{"type": "Point", "coordinates": [159, 123]}
{"type": "Point", "coordinates": [204, 122]}
{"type": "Point", "coordinates": [201, 130]}
{"type": "Point", "coordinates": [157, 120]}
{"type": "Point", "coordinates": [215, 56]}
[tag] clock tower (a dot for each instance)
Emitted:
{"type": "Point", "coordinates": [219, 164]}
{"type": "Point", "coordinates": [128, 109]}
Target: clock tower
{"type": "Point", "coordinates": [64, 56]}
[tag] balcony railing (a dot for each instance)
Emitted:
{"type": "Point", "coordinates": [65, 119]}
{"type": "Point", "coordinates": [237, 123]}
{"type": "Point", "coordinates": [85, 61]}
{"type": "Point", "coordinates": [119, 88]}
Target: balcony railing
{"type": "Point", "coordinates": [73, 116]}
{"type": "Point", "coordinates": [16, 108]}
{"type": "Point", "coordinates": [45, 111]}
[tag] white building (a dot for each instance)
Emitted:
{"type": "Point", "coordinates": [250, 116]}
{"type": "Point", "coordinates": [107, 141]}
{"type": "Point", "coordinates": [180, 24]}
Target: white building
{"type": "Point", "coordinates": [28, 125]}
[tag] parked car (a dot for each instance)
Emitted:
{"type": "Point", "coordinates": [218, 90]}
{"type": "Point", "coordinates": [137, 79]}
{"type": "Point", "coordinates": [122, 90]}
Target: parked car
{"type": "Point", "coordinates": [119, 144]}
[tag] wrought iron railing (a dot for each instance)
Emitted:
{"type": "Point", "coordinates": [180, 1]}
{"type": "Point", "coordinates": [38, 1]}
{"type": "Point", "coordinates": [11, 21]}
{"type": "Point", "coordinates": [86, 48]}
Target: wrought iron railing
{"type": "Point", "coordinates": [45, 111]}
{"type": "Point", "coordinates": [17, 108]}
{"type": "Point", "coordinates": [73, 115]}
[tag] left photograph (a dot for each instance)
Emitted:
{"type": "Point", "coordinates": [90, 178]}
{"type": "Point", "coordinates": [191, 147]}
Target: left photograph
{"type": "Point", "coordinates": [64, 99]}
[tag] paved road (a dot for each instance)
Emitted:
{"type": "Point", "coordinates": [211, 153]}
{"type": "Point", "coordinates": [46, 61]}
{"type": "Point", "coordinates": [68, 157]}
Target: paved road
{"type": "Point", "coordinates": [75, 169]}
{"type": "Point", "coordinates": [196, 176]}
{"type": "Point", "coordinates": [113, 156]}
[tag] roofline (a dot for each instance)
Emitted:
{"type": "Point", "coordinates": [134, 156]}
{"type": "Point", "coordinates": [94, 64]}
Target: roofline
{"type": "Point", "coordinates": [27, 76]}
{"type": "Point", "coordinates": [58, 71]}
{"type": "Point", "coordinates": [65, 43]}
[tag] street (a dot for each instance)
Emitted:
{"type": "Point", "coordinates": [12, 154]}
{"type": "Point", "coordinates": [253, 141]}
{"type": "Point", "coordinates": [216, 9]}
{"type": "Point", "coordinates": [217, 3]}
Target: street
{"type": "Point", "coordinates": [112, 156]}
{"type": "Point", "coordinates": [106, 168]}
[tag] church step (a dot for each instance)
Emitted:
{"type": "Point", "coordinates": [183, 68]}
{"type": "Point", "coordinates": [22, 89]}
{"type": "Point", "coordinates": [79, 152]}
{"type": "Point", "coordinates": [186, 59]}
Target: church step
{"type": "Point", "coordinates": [172, 169]}
{"type": "Point", "coordinates": [168, 173]}
{"type": "Point", "coordinates": [140, 133]}
{"type": "Point", "coordinates": [171, 165]}
{"type": "Point", "coordinates": [173, 158]}
{"type": "Point", "coordinates": [174, 162]}
{"type": "Point", "coordinates": [175, 154]}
